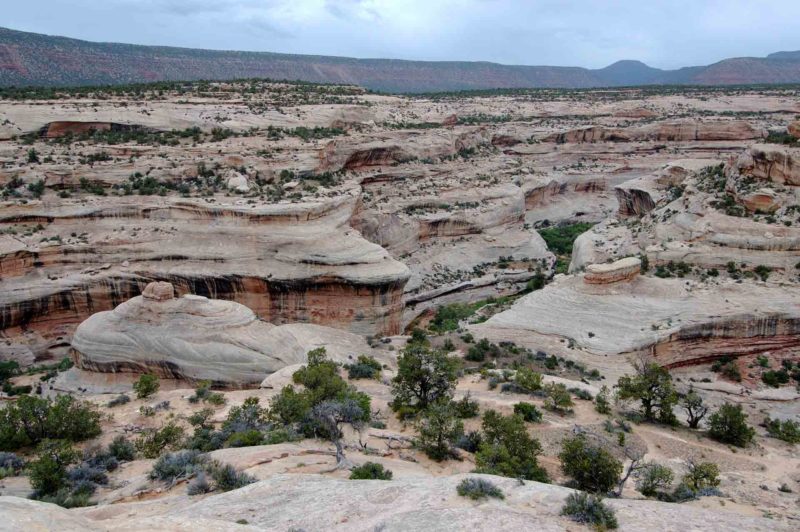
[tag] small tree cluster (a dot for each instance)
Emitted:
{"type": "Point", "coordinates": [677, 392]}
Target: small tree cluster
{"type": "Point", "coordinates": [591, 467]}
{"type": "Point", "coordinates": [508, 450]}
{"type": "Point", "coordinates": [30, 420]}
{"type": "Point", "coordinates": [729, 425]}
{"type": "Point", "coordinates": [652, 387]}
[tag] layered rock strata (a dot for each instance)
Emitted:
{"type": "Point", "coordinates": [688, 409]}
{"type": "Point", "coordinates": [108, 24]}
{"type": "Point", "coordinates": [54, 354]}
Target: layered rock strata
{"type": "Point", "coordinates": [287, 262]}
{"type": "Point", "coordinates": [195, 338]}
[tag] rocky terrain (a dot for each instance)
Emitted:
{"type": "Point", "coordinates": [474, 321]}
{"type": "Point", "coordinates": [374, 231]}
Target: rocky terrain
{"type": "Point", "coordinates": [175, 256]}
{"type": "Point", "coordinates": [44, 60]}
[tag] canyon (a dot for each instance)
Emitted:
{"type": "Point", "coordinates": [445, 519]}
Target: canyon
{"type": "Point", "coordinates": [213, 234]}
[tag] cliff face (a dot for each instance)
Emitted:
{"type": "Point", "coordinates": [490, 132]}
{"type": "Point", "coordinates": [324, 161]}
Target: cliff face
{"type": "Point", "coordinates": [734, 336]}
{"type": "Point", "coordinates": [195, 338]}
{"type": "Point", "coordinates": [681, 131]}
{"type": "Point", "coordinates": [288, 263]}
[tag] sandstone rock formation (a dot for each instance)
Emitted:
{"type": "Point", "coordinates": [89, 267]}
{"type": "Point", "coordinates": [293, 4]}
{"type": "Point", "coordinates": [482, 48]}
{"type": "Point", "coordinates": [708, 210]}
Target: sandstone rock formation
{"type": "Point", "coordinates": [621, 270]}
{"type": "Point", "coordinates": [195, 338]}
{"type": "Point", "coordinates": [794, 129]}
{"type": "Point", "coordinates": [663, 132]}
{"type": "Point", "coordinates": [771, 163]}
{"type": "Point", "coordinates": [313, 502]}
{"type": "Point", "coordinates": [289, 263]}
{"type": "Point", "coordinates": [677, 323]}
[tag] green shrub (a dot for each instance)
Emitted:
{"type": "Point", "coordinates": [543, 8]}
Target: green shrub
{"type": "Point", "coordinates": [788, 430]}
{"type": "Point", "coordinates": [366, 367]}
{"type": "Point", "coordinates": [424, 376]}
{"type": "Point", "coordinates": [775, 378]}
{"type": "Point", "coordinates": [652, 387]}
{"type": "Point", "coordinates": [289, 406]}
{"type": "Point", "coordinates": [48, 472]}
{"type": "Point", "coordinates": [729, 425]}
{"type": "Point", "coordinates": [30, 420]}
{"type": "Point", "coordinates": [466, 407]}
{"type": "Point", "coordinates": [227, 478]}
{"type": "Point", "coordinates": [370, 471]}
{"type": "Point", "coordinates": [528, 412]}
{"type": "Point", "coordinates": [439, 430]}
{"type": "Point", "coordinates": [592, 468]}
{"type": "Point", "coordinates": [654, 478]}
{"type": "Point", "coordinates": [602, 403]}
{"type": "Point", "coordinates": [558, 398]}
{"type": "Point", "coordinates": [528, 380]}
{"type": "Point", "coordinates": [589, 509]}
{"type": "Point", "coordinates": [478, 488]}
{"type": "Point", "coordinates": [448, 316]}
{"type": "Point", "coordinates": [701, 475]}
{"type": "Point", "coordinates": [247, 438]}
{"type": "Point", "coordinates": [508, 450]}
{"type": "Point", "coordinates": [122, 449]}
{"type": "Point", "coordinates": [10, 465]}
{"type": "Point", "coordinates": [171, 467]}
{"type": "Point", "coordinates": [153, 442]}
{"type": "Point", "coordinates": [146, 386]}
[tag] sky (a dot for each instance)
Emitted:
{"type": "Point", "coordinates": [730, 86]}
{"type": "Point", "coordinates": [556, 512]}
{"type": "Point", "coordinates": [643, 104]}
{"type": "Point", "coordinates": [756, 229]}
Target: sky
{"type": "Point", "coordinates": [587, 33]}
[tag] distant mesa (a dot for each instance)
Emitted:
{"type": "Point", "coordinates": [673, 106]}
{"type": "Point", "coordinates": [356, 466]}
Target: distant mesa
{"type": "Point", "coordinates": [38, 60]}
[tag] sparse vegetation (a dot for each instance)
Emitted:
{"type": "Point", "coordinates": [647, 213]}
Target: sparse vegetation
{"type": "Point", "coordinates": [478, 488]}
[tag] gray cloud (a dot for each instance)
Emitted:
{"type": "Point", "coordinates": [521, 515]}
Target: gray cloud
{"type": "Point", "coordinates": [592, 33]}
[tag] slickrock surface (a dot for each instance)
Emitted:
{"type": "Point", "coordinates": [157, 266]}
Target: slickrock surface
{"type": "Point", "coordinates": [678, 322]}
{"type": "Point", "coordinates": [316, 503]}
{"type": "Point", "coordinates": [195, 338]}
{"type": "Point", "coordinates": [622, 270]}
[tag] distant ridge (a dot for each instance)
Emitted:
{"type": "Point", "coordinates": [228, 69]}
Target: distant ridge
{"type": "Point", "coordinates": [42, 60]}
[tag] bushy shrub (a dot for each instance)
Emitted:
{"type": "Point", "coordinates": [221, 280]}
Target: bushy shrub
{"type": "Point", "coordinates": [602, 403]}
{"type": "Point", "coordinates": [729, 425]}
{"type": "Point", "coordinates": [654, 478]}
{"type": "Point", "coordinates": [199, 485]}
{"type": "Point", "coordinates": [122, 449]}
{"type": "Point", "coordinates": [788, 430]}
{"type": "Point", "coordinates": [146, 385]}
{"type": "Point", "coordinates": [227, 478]}
{"type": "Point", "coordinates": [289, 406]}
{"type": "Point", "coordinates": [558, 398]}
{"type": "Point", "coordinates": [248, 416]}
{"type": "Point", "coordinates": [153, 442]}
{"type": "Point", "coordinates": [10, 465]}
{"type": "Point", "coordinates": [87, 473]}
{"type": "Point", "coordinates": [478, 488]}
{"type": "Point", "coordinates": [118, 400]}
{"type": "Point", "coordinates": [528, 412]}
{"type": "Point", "coordinates": [470, 441]}
{"type": "Point", "coordinates": [171, 467]}
{"type": "Point", "coordinates": [247, 438]}
{"type": "Point", "coordinates": [528, 380]}
{"type": "Point", "coordinates": [439, 430]}
{"type": "Point", "coordinates": [466, 407]}
{"type": "Point", "coordinates": [365, 367]}
{"type": "Point", "coordinates": [31, 420]}
{"type": "Point", "coordinates": [701, 475]}
{"type": "Point", "coordinates": [508, 450]}
{"type": "Point", "coordinates": [580, 393]}
{"type": "Point", "coordinates": [48, 472]}
{"type": "Point", "coordinates": [424, 376]}
{"type": "Point", "coordinates": [589, 509]}
{"type": "Point", "coordinates": [592, 468]}
{"type": "Point", "coordinates": [370, 471]}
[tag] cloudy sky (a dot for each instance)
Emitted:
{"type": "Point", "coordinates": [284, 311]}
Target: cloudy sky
{"type": "Point", "coordinates": [589, 33]}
